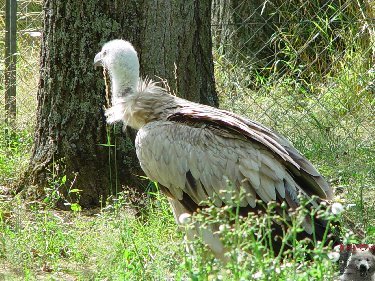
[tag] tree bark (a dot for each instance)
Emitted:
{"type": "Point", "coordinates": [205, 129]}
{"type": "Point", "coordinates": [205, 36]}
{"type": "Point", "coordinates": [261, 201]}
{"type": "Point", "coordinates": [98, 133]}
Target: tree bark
{"type": "Point", "coordinates": [71, 137]}
{"type": "Point", "coordinates": [176, 45]}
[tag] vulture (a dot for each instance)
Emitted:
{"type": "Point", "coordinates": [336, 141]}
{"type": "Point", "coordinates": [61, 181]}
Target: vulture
{"type": "Point", "coordinates": [199, 154]}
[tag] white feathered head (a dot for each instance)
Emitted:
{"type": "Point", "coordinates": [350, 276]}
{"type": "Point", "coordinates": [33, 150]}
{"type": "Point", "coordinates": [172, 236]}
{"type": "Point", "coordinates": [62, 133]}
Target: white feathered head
{"type": "Point", "coordinates": [120, 59]}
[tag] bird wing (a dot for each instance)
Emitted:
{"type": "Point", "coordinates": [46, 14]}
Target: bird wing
{"type": "Point", "coordinates": [207, 154]}
{"type": "Point", "coordinates": [298, 166]}
{"type": "Point", "coordinates": [197, 163]}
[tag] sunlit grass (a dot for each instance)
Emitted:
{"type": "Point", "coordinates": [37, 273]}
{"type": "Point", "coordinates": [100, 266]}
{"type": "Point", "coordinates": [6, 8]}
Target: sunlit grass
{"type": "Point", "coordinates": [329, 121]}
{"type": "Point", "coordinates": [115, 243]}
{"type": "Point", "coordinates": [112, 243]}
{"type": "Point", "coordinates": [14, 153]}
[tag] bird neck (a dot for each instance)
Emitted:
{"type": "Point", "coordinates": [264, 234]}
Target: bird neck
{"type": "Point", "coordinates": [122, 84]}
{"type": "Point", "coordinates": [147, 104]}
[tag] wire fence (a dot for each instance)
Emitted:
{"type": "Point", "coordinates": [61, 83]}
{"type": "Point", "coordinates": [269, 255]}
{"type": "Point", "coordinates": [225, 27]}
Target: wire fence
{"type": "Point", "coordinates": [20, 31]}
{"type": "Point", "coordinates": [305, 68]}
{"type": "Point", "coordinates": [302, 67]}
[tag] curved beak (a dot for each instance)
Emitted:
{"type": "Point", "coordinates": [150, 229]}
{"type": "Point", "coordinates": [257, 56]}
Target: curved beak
{"type": "Point", "coordinates": [98, 60]}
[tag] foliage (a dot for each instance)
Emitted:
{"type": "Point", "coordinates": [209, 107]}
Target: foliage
{"type": "Point", "coordinates": [329, 121]}
{"type": "Point", "coordinates": [114, 243]}
{"type": "Point", "coordinates": [14, 147]}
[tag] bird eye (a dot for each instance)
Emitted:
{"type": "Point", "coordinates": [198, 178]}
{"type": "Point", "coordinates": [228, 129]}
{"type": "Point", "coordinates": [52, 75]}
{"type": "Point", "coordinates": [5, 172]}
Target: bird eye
{"type": "Point", "coordinates": [104, 52]}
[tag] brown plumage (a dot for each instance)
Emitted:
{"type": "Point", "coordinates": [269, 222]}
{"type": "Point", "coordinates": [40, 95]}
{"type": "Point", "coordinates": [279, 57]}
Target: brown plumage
{"type": "Point", "coordinates": [198, 152]}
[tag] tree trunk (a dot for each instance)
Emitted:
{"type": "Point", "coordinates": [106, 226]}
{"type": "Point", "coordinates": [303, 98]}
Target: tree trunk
{"type": "Point", "coordinates": [176, 45]}
{"type": "Point", "coordinates": [71, 137]}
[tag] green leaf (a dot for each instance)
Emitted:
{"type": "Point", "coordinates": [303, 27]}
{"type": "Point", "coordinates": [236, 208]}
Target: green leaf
{"type": "Point", "coordinates": [106, 144]}
{"type": "Point", "coordinates": [63, 180]}
{"type": "Point", "coordinates": [371, 230]}
{"type": "Point", "coordinates": [75, 207]}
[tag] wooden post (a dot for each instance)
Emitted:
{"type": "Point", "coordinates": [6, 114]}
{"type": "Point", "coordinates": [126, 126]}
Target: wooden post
{"type": "Point", "coordinates": [10, 61]}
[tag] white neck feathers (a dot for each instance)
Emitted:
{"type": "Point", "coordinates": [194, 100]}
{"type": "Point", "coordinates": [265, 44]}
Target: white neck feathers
{"type": "Point", "coordinates": [148, 102]}
{"type": "Point", "coordinates": [123, 83]}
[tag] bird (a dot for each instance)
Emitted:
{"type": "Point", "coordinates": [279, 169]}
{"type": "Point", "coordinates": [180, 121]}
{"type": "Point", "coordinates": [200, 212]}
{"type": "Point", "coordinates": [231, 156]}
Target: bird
{"type": "Point", "coordinates": [199, 154]}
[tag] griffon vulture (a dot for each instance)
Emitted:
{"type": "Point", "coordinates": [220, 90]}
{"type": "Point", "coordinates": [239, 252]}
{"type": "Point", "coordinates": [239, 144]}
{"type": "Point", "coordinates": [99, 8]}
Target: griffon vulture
{"type": "Point", "coordinates": [193, 151]}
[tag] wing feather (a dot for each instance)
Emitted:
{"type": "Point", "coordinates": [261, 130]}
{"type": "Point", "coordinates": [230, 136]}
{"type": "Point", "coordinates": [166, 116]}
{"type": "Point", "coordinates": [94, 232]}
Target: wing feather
{"type": "Point", "coordinates": [280, 188]}
{"type": "Point", "coordinates": [268, 186]}
{"type": "Point", "coordinates": [193, 163]}
{"type": "Point", "coordinates": [251, 175]}
{"type": "Point", "coordinates": [250, 194]}
{"type": "Point", "coordinates": [199, 161]}
{"type": "Point", "coordinates": [236, 126]}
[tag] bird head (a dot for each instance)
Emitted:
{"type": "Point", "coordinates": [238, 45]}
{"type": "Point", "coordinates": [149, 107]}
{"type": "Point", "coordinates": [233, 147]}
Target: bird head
{"type": "Point", "coordinates": [120, 59]}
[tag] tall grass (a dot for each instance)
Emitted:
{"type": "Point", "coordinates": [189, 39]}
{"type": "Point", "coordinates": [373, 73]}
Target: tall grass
{"type": "Point", "coordinates": [14, 151]}
{"type": "Point", "coordinates": [328, 119]}
{"type": "Point", "coordinates": [114, 243]}
{"type": "Point", "coordinates": [106, 244]}
{"type": "Point", "coordinates": [17, 136]}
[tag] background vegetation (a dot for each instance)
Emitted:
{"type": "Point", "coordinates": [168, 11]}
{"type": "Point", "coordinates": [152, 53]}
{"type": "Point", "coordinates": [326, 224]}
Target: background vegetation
{"type": "Point", "coordinates": [318, 91]}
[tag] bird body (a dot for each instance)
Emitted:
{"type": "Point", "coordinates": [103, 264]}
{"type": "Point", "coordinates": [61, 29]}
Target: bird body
{"type": "Point", "coordinates": [199, 153]}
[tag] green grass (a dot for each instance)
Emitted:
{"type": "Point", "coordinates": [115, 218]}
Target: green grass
{"type": "Point", "coordinates": [14, 153]}
{"type": "Point", "coordinates": [330, 121]}
{"type": "Point", "coordinates": [114, 243]}
{"type": "Point", "coordinates": [105, 244]}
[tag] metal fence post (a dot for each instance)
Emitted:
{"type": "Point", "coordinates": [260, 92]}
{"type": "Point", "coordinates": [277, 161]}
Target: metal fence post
{"type": "Point", "coordinates": [10, 61]}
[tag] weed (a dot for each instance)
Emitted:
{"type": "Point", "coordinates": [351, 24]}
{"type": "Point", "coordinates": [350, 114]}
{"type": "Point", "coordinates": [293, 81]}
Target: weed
{"type": "Point", "coordinates": [14, 153]}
